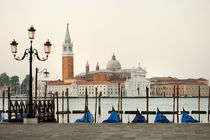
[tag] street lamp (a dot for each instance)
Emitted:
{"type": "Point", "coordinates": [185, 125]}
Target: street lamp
{"type": "Point", "coordinates": [31, 52]}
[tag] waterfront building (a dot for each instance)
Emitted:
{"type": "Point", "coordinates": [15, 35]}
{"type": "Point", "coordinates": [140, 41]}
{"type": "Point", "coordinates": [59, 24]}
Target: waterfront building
{"type": "Point", "coordinates": [112, 73]}
{"type": "Point", "coordinates": [107, 81]}
{"type": "Point", "coordinates": [136, 85]}
{"type": "Point", "coordinates": [76, 88]}
{"type": "Point", "coordinates": [164, 86]}
{"type": "Point", "coordinates": [41, 88]}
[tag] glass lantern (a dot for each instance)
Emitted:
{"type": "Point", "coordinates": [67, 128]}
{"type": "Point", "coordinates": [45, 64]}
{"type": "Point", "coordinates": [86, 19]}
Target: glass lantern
{"type": "Point", "coordinates": [47, 47]}
{"type": "Point", "coordinates": [31, 32]}
{"type": "Point", "coordinates": [14, 46]}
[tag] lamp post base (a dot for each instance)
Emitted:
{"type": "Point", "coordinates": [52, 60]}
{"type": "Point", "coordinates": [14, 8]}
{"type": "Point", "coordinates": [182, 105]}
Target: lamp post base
{"type": "Point", "coordinates": [30, 120]}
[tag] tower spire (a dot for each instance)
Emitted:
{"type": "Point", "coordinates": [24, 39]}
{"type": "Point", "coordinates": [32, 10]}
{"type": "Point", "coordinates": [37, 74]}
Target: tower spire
{"type": "Point", "coordinates": [97, 66]}
{"type": "Point", "coordinates": [113, 57]}
{"type": "Point", "coordinates": [67, 36]}
{"type": "Point", "coordinates": [67, 57]}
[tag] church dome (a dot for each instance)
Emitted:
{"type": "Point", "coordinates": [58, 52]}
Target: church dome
{"type": "Point", "coordinates": [113, 64]}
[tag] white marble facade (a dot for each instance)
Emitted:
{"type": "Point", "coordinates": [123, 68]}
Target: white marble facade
{"type": "Point", "coordinates": [136, 85]}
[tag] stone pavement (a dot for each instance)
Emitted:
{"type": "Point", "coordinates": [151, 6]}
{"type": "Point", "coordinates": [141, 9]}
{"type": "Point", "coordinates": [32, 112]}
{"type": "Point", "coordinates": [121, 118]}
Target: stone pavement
{"type": "Point", "coordinates": [50, 131]}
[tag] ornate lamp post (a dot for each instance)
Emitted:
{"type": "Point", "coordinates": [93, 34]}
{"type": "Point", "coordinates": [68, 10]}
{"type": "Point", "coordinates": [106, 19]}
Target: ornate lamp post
{"type": "Point", "coordinates": [31, 52]}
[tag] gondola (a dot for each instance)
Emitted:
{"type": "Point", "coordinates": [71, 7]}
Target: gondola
{"type": "Point", "coordinates": [160, 118]}
{"type": "Point", "coordinates": [139, 118]}
{"type": "Point", "coordinates": [187, 118]}
{"type": "Point", "coordinates": [113, 118]}
{"type": "Point", "coordinates": [87, 118]}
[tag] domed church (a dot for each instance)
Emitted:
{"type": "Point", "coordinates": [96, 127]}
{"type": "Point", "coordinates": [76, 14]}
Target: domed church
{"type": "Point", "coordinates": [113, 64]}
{"type": "Point", "coordinates": [113, 72]}
{"type": "Point", "coordinates": [133, 81]}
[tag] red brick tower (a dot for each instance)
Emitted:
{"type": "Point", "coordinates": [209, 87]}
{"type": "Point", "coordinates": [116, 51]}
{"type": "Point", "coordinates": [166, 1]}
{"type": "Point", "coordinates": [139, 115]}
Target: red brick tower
{"type": "Point", "coordinates": [67, 57]}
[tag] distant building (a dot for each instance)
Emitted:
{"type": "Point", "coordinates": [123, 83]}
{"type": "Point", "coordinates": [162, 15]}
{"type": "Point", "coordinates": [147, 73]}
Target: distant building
{"type": "Point", "coordinates": [107, 81]}
{"type": "Point", "coordinates": [164, 86]}
{"type": "Point", "coordinates": [136, 85]}
{"type": "Point", "coordinates": [112, 73]}
{"type": "Point", "coordinates": [67, 57]}
{"type": "Point", "coordinates": [41, 88]}
{"type": "Point", "coordinates": [77, 88]}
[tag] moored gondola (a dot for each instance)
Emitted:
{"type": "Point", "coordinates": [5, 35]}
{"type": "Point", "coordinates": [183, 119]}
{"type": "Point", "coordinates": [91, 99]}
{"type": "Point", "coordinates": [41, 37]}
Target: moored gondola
{"type": "Point", "coordinates": [113, 118]}
{"type": "Point", "coordinates": [87, 118]}
{"type": "Point", "coordinates": [187, 118]}
{"type": "Point", "coordinates": [160, 118]}
{"type": "Point", "coordinates": [139, 118]}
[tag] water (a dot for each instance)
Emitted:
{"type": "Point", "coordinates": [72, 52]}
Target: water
{"type": "Point", "coordinates": [164, 104]}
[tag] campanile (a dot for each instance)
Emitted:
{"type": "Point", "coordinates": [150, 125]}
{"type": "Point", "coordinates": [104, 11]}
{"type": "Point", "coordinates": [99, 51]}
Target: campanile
{"type": "Point", "coordinates": [67, 57]}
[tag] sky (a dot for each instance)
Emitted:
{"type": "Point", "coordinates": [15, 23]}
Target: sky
{"type": "Point", "coordinates": [167, 37]}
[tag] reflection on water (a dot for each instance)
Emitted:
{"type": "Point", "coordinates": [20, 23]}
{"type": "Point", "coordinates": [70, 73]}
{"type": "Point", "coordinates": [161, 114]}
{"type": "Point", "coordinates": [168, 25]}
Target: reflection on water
{"type": "Point", "coordinates": [164, 104]}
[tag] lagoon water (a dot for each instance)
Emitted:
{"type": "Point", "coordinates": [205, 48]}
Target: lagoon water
{"type": "Point", "coordinates": [164, 104]}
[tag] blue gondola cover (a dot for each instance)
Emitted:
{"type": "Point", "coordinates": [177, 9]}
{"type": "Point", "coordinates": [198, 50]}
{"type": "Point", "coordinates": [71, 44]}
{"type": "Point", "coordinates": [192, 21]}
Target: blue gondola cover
{"type": "Point", "coordinates": [188, 119]}
{"type": "Point", "coordinates": [139, 119]}
{"type": "Point", "coordinates": [83, 120]}
{"type": "Point", "coordinates": [160, 118]}
{"type": "Point", "coordinates": [113, 118]}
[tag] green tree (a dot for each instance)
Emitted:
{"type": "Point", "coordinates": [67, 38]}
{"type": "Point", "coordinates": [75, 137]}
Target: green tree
{"type": "Point", "coordinates": [4, 79]}
{"type": "Point", "coordinates": [14, 82]}
{"type": "Point", "coordinates": [25, 85]}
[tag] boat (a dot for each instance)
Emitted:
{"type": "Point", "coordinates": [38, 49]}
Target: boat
{"type": "Point", "coordinates": [139, 118]}
{"type": "Point", "coordinates": [113, 118]}
{"type": "Point", "coordinates": [187, 118]}
{"type": "Point", "coordinates": [160, 118]}
{"type": "Point", "coordinates": [87, 118]}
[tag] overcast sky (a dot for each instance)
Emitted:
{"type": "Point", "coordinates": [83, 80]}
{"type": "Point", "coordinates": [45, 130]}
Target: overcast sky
{"type": "Point", "coordinates": [168, 37]}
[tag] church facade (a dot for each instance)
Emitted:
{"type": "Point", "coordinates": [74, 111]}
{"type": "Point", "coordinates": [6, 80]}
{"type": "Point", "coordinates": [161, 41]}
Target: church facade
{"type": "Point", "coordinates": [108, 81]}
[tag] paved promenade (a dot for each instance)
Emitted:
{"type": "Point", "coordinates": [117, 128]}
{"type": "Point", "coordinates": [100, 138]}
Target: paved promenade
{"type": "Point", "coordinates": [50, 131]}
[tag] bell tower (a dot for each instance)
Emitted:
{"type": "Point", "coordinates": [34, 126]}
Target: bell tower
{"type": "Point", "coordinates": [67, 57]}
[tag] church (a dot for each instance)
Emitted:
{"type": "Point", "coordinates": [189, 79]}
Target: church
{"type": "Point", "coordinates": [133, 81]}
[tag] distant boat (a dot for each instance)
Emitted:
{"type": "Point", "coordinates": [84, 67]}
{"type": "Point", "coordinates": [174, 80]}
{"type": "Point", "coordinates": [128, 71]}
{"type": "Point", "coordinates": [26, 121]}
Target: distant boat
{"type": "Point", "coordinates": [84, 118]}
{"type": "Point", "coordinates": [113, 118]}
{"type": "Point", "coordinates": [187, 118]}
{"type": "Point", "coordinates": [160, 118]}
{"type": "Point", "coordinates": [139, 118]}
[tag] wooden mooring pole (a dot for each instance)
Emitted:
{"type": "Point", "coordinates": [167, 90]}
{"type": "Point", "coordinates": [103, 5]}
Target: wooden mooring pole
{"type": "Point", "coordinates": [86, 106]}
{"type": "Point", "coordinates": [174, 102]}
{"type": "Point", "coordinates": [67, 92]}
{"type": "Point", "coordinates": [9, 105]}
{"type": "Point", "coordinates": [208, 104]}
{"type": "Point", "coordinates": [121, 104]}
{"type": "Point", "coordinates": [99, 103]}
{"type": "Point", "coordinates": [147, 103]}
{"type": "Point", "coordinates": [96, 104]}
{"type": "Point", "coordinates": [3, 106]}
{"type": "Point", "coordinates": [53, 108]}
{"type": "Point", "coordinates": [199, 100]}
{"type": "Point", "coordinates": [62, 106]}
{"type": "Point", "coordinates": [57, 107]}
{"type": "Point", "coordinates": [177, 107]}
{"type": "Point", "coordinates": [118, 101]}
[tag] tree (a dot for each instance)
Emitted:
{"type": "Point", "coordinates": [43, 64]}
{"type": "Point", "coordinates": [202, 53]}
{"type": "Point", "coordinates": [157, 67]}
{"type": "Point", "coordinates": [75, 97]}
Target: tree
{"type": "Point", "coordinates": [25, 85]}
{"type": "Point", "coordinates": [14, 82]}
{"type": "Point", "coordinates": [4, 79]}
